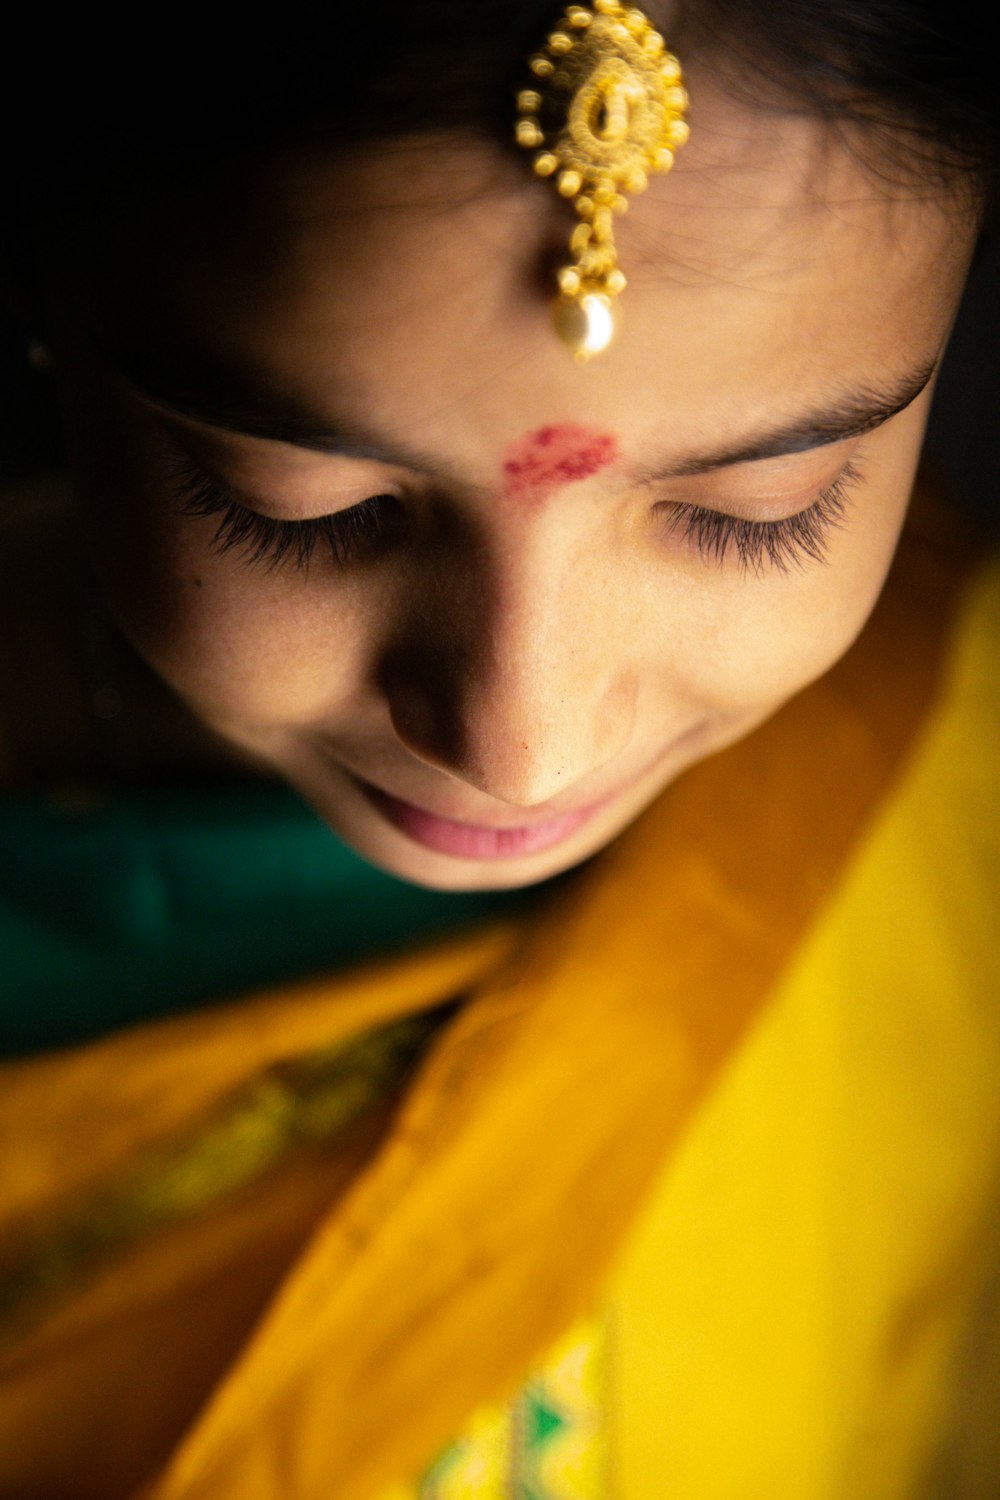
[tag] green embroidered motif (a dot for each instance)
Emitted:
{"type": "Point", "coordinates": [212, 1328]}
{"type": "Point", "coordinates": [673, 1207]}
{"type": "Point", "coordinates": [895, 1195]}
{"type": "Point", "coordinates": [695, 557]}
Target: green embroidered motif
{"type": "Point", "coordinates": [549, 1443]}
{"type": "Point", "coordinates": [540, 1421]}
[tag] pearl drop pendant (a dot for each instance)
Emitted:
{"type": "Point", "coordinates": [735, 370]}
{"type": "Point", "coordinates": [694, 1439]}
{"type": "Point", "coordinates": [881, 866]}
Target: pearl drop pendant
{"type": "Point", "coordinates": [585, 323]}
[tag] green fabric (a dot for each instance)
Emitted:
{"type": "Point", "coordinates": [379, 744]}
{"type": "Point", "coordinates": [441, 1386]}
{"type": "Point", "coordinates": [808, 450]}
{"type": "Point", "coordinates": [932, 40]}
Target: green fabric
{"type": "Point", "coordinates": [118, 908]}
{"type": "Point", "coordinates": [541, 1421]}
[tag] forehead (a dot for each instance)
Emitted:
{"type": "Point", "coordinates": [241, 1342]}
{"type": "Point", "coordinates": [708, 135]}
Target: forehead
{"type": "Point", "coordinates": [414, 279]}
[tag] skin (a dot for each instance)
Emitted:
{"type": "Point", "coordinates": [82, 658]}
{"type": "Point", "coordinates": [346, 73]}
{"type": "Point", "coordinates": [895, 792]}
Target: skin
{"type": "Point", "coordinates": [543, 462]}
{"type": "Point", "coordinates": [536, 639]}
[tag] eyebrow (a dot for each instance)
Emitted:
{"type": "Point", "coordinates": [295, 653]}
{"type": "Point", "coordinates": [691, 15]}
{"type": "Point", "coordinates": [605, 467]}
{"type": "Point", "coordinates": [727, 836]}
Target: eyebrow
{"type": "Point", "coordinates": [845, 416]}
{"type": "Point", "coordinates": [248, 407]}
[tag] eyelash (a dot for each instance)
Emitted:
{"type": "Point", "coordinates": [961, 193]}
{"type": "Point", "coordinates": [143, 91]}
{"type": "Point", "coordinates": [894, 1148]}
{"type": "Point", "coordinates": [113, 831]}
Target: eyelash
{"type": "Point", "coordinates": [265, 541]}
{"type": "Point", "coordinates": [791, 542]}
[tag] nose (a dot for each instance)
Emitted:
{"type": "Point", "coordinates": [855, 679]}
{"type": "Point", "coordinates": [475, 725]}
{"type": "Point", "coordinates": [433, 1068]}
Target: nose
{"type": "Point", "coordinates": [516, 680]}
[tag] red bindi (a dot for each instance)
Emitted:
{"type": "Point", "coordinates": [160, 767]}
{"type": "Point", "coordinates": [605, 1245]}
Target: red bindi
{"type": "Point", "coordinates": [541, 462]}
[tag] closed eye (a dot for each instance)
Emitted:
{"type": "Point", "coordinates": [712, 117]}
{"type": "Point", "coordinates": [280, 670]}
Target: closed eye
{"type": "Point", "coordinates": [792, 542]}
{"type": "Point", "coordinates": [264, 541]}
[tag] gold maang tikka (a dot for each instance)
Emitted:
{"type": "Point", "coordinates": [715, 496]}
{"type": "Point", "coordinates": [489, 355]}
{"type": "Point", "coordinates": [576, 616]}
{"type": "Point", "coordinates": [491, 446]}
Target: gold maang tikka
{"type": "Point", "coordinates": [605, 109]}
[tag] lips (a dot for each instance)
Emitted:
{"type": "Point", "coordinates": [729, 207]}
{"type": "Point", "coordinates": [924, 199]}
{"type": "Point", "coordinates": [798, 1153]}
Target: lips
{"type": "Point", "coordinates": [475, 840]}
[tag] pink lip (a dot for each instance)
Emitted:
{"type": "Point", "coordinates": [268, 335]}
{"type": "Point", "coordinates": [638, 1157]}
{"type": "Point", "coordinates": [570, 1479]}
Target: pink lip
{"type": "Point", "coordinates": [474, 840]}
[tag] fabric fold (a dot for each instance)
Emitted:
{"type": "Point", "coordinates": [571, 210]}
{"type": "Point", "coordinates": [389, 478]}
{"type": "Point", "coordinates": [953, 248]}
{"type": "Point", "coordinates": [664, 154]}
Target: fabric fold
{"type": "Point", "coordinates": [487, 1216]}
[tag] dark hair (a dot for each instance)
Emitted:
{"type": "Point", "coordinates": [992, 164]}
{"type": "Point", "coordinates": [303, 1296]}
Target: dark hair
{"type": "Point", "coordinates": [915, 75]}
{"type": "Point", "coordinates": [82, 133]}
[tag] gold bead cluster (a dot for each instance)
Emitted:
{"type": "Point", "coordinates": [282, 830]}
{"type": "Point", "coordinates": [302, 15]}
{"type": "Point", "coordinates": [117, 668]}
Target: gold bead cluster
{"type": "Point", "coordinates": [605, 108]}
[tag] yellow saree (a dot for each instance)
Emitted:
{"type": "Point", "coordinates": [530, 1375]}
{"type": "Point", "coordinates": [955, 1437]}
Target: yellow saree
{"type": "Point", "coordinates": [629, 1108]}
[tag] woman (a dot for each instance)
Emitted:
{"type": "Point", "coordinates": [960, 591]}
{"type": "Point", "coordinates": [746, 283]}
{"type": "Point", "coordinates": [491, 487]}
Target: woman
{"type": "Point", "coordinates": [486, 607]}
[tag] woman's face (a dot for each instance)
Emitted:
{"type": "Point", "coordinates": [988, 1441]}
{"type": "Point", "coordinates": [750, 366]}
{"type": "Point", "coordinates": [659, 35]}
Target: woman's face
{"type": "Point", "coordinates": [480, 603]}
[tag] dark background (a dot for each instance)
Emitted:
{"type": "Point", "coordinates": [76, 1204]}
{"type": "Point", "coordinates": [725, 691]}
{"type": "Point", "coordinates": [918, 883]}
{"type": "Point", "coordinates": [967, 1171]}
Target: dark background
{"type": "Point", "coordinates": [963, 437]}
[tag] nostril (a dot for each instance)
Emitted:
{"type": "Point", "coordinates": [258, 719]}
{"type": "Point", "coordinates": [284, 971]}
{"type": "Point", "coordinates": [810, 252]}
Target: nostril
{"type": "Point", "coordinates": [493, 706]}
{"type": "Point", "coordinates": [419, 728]}
{"type": "Point", "coordinates": [422, 692]}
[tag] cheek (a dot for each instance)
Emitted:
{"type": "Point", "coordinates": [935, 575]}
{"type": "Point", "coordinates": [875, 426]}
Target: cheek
{"type": "Point", "coordinates": [751, 644]}
{"type": "Point", "coordinates": [238, 644]}
{"type": "Point", "coordinates": [242, 647]}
